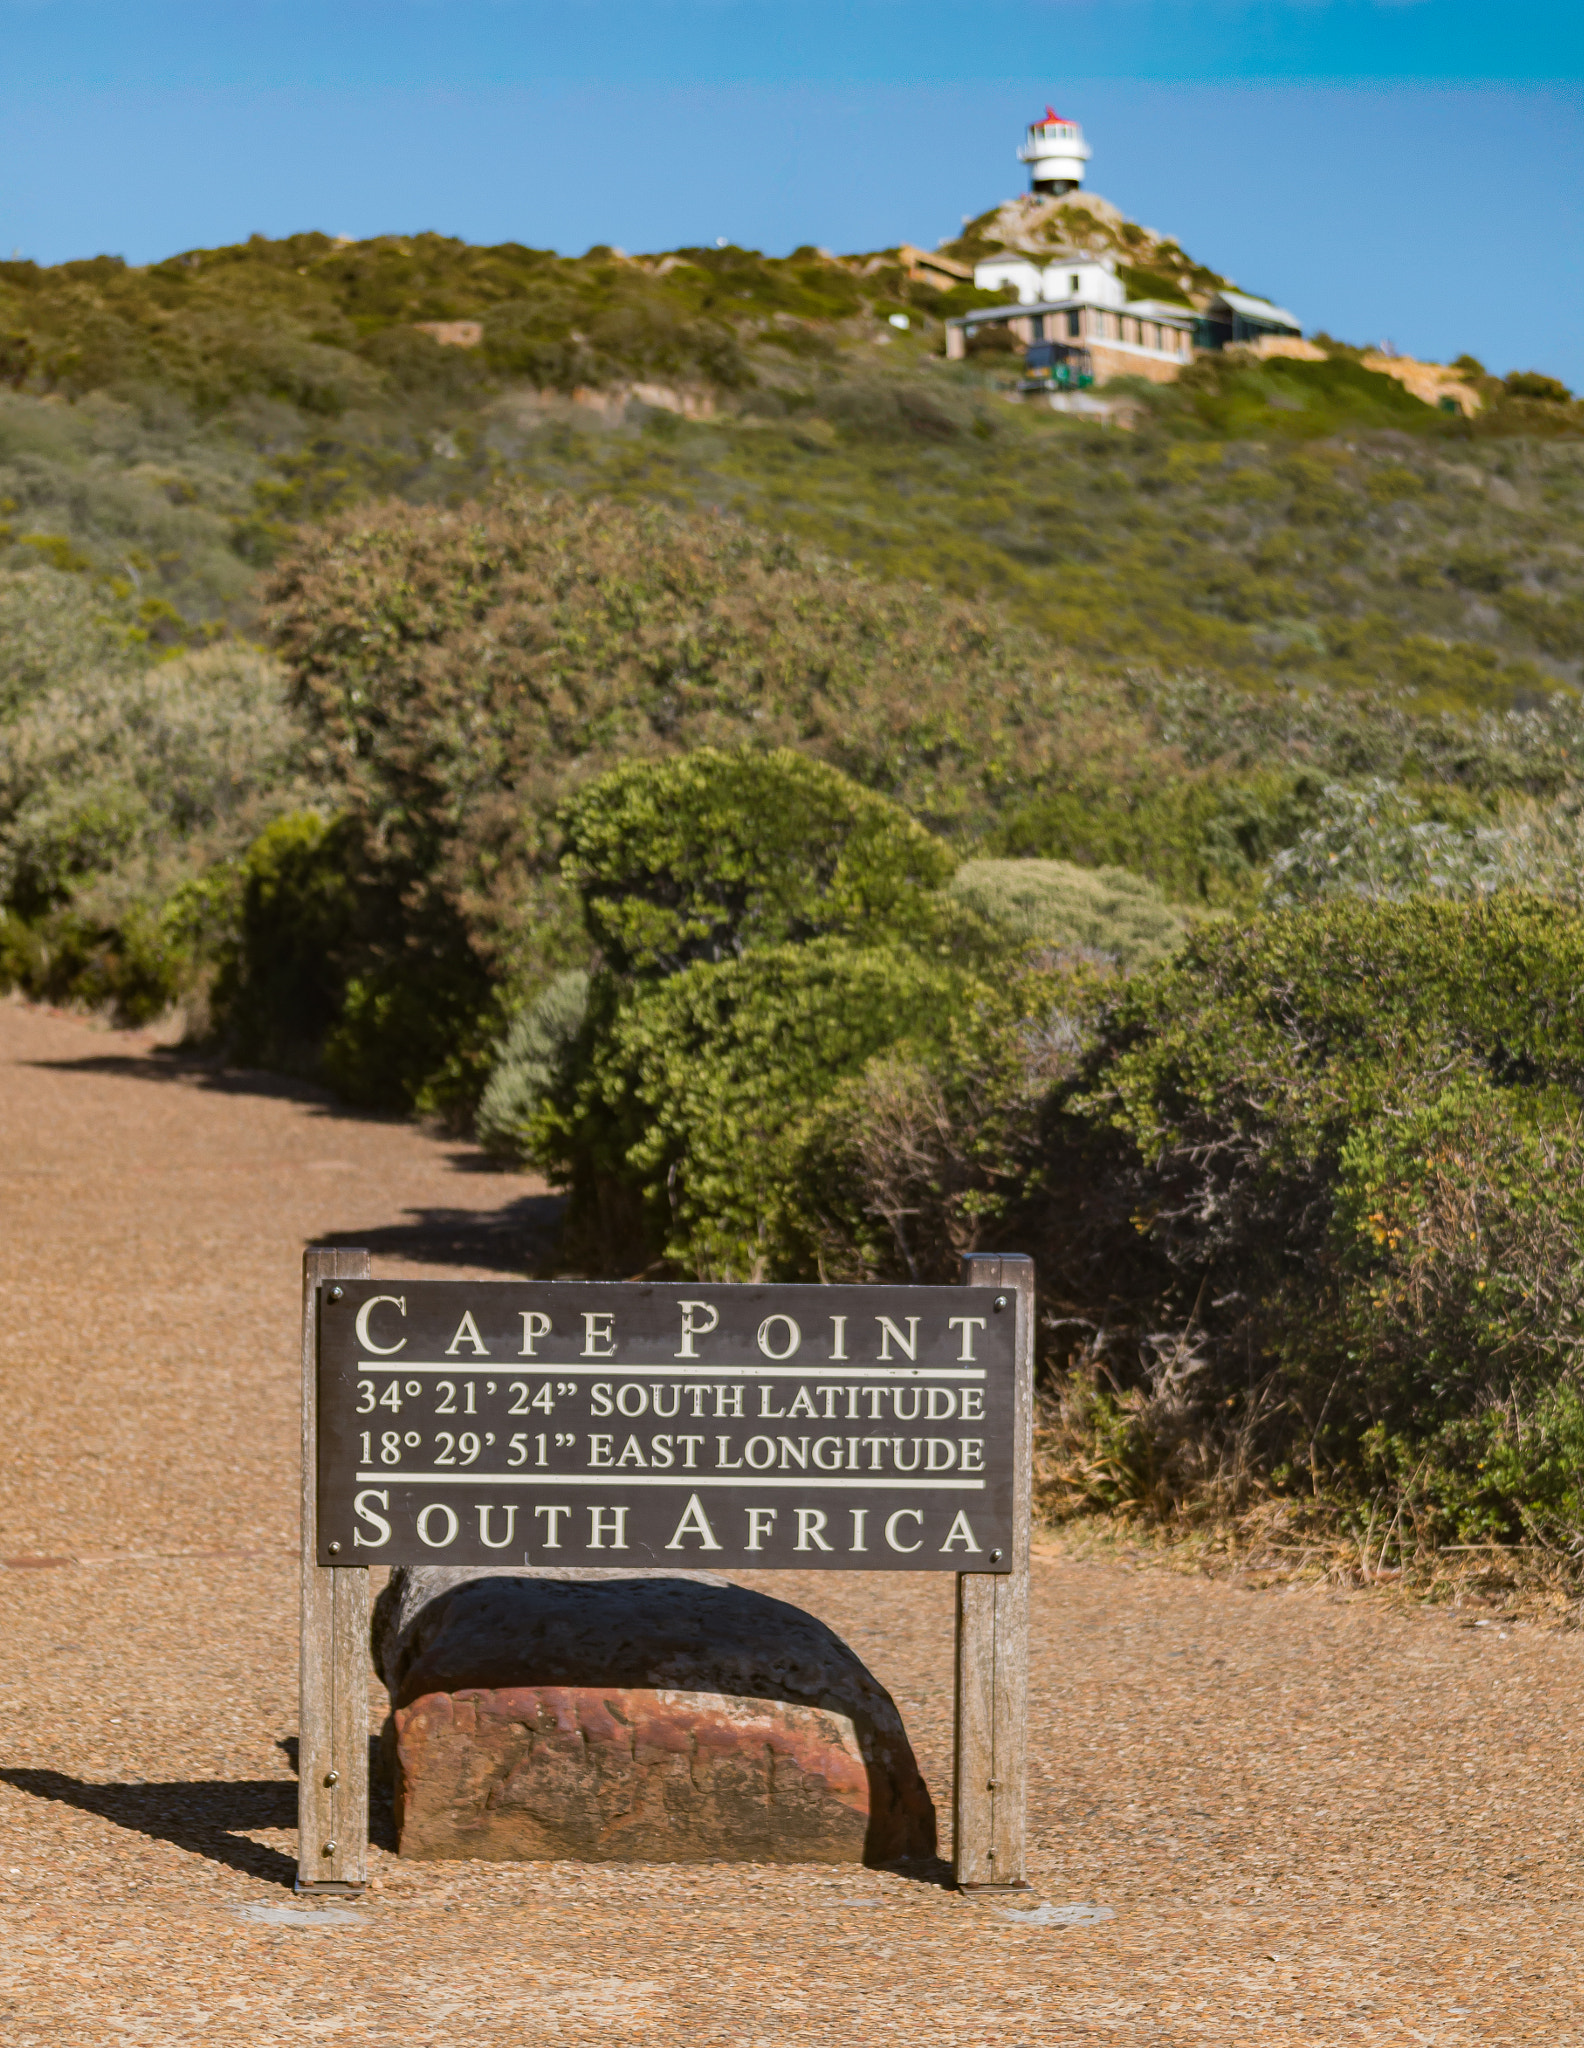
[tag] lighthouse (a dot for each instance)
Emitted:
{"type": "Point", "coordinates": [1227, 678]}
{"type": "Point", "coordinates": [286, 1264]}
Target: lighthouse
{"type": "Point", "coordinates": [1055, 153]}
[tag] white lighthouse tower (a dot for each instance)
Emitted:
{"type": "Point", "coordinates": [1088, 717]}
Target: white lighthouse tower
{"type": "Point", "coordinates": [1055, 153]}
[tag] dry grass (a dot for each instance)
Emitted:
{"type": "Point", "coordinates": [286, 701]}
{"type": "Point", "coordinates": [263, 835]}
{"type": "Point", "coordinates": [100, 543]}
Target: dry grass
{"type": "Point", "coordinates": [1279, 1540]}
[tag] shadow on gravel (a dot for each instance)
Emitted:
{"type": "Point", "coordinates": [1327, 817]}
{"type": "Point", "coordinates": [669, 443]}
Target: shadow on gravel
{"type": "Point", "coordinates": [205, 1816]}
{"type": "Point", "coordinates": [510, 1240]}
{"type": "Point", "coordinates": [216, 1079]}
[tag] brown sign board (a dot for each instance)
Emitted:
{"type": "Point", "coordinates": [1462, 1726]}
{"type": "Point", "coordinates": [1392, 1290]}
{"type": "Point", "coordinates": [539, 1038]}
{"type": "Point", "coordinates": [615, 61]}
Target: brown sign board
{"type": "Point", "coordinates": [685, 1425]}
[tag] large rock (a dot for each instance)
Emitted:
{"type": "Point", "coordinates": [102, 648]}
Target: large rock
{"type": "Point", "coordinates": [646, 1717]}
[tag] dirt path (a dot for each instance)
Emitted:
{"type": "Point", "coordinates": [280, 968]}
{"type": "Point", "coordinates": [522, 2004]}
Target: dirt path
{"type": "Point", "coordinates": [1311, 1819]}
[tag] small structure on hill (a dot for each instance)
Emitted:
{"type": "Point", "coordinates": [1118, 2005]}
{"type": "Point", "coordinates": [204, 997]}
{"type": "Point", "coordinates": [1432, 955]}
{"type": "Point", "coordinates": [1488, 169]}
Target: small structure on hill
{"type": "Point", "coordinates": [1055, 152]}
{"type": "Point", "coordinates": [1076, 321]}
{"type": "Point", "coordinates": [1073, 315]}
{"type": "Point", "coordinates": [1233, 317]}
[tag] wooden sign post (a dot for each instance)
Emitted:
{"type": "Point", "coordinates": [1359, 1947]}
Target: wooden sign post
{"type": "Point", "coordinates": [741, 1428]}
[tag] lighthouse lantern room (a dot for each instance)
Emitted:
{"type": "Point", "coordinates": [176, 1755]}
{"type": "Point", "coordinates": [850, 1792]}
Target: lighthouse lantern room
{"type": "Point", "coordinates": [1055, 153]}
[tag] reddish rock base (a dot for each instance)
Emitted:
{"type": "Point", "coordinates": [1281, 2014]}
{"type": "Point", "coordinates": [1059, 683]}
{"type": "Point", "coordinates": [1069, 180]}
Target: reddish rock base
{"type": "Point", "coordinates": [638, 1775]}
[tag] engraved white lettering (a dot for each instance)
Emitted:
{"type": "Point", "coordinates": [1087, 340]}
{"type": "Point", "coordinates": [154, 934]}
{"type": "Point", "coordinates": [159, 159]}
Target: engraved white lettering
{"type": "Point", "coordinates": [438, 1507]}
{"type": "Point", "coordinates": [792, 1339]}
{"type": "Point", "coordinates": [467, 1333]}
{"type": "Point", "coordinates": [598, 1338]}
{"type": "Point", "coordinates": [484, 1513]}
{"type": "Point", "coordinates": [889, 1334]}
{"type": "Point", "coordinates": [694, 1522]}
{"type": "Point", "coordinates": [611, 1522]}
{"type": "Point", "coordinates": [375, 1522]}
{"type": "Point", "coordinates": [692, 1327]}
{"type": "Point", "coordinates": [399, 1303]}
{"type": "Point", "coordinates": [967, 1324]}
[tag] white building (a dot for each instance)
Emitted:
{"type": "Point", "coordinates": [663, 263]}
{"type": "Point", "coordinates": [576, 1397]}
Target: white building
{"type": "Point", "coordinates": [1055, 152]}
{"type": "Point", "coordinates": [1075, 318]}
{"type": "Point", "coordinates": [1073, 275]}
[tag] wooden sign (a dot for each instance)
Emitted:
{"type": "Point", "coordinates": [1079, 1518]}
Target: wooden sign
{"type": "Point", "coordinates": [739, 1428]}
{"type": "Point", "coordinates": [746, 1428]}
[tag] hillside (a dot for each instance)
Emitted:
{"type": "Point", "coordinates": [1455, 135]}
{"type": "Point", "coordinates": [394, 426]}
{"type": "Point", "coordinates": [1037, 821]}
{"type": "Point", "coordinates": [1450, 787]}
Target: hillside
{"type": "Point", "coordinates": [166, 430]}
{"type": "Point", "coordinates": [830, 812]}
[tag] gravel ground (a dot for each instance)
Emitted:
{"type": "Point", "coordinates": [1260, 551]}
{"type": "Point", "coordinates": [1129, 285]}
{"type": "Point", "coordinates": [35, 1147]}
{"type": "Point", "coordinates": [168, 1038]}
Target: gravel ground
{"type": "Point", "coordinates": [1300, 1817]}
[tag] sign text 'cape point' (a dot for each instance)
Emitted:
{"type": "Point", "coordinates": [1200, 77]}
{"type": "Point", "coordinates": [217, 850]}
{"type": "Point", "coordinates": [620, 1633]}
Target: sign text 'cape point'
{"type": "Point", "coordinates": [503, 1422]}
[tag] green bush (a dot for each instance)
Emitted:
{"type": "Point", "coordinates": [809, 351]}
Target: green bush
{"type": "Point", "coordinates": [51, 632]}
{"type": "Point", "coordinates": [282, 985]}
{"type": "Point", "coordinates": [463, 674]}
{"type": "Point", "coordinates": [313, 982]}
{"type": "Point", "coordinates": [708, 854]}
{"type": "Point", "coordinates": [1334, 1154]}
{"type": "Point", "coordinates": [1104, 911]}
{"type": "Point", "coordinates": [529, 1063]}
{"type": "Point", "coordinates": [119, 789]}
{"type": "Point", "coordinates": [677, 1127]}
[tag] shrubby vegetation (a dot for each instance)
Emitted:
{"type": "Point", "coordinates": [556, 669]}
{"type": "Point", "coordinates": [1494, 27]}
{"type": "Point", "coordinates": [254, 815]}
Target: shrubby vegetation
{"type": "Point", "coordinates": [1116, 918]}
{"type": "Point", "coordinates": [127, 790]}
{"type": "Point", "coordinates": [701, 809]}
{"type": "Point", "coordinates": [1336, 1216]}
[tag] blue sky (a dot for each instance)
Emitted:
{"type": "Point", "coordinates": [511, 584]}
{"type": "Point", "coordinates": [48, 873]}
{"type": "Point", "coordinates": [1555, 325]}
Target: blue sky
{"type": "Point", "coordinates": [1401, 169]}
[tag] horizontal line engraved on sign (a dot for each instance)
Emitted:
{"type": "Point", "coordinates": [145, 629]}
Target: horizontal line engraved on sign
{"type": "Point", "coordinates": [617, 1482]}
{"type": "Point", "coordinates": [611, 1368]}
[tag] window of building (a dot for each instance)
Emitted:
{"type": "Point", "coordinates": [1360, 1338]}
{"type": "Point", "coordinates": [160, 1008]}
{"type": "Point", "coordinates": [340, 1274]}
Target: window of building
{"type": "Point", "coordinates": [1075, 322]}
{"type": "Point", "coordinates": [1073, 283]}
{"type": "Point", "coordinates": [1038, 324]}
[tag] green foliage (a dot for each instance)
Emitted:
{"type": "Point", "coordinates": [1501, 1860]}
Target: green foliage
{"type": "Point", "coordinates": [1108, 912]}
{"type": "Point", "coordinates": [282, 984]}
{"type": "Point", "coordinates": [118, 788]}
{"type": "Point", "coordinates": [1301, 1122]}
{"type": "Point", "coordinates": [1238, 399]}
{"type": "Point", "coordinates": [1145, 282]}
{"type": "Point", "coordinates": [933, 1150]}
{"type": "Point", "coordinates": [678, 1129]}
{"type": "Point", "coordinates": [314, 980]}
{"type": "Point", "coordinates": [702, 856]}
{"type": "Point", "coordinates": [1531, 384]}
{"type": "Point", "coordinates": [463, 674]}
{"type": "Point", "coordinates": [1379, 840]}
{"type": "Point", "coordinates": [529, 1063]}
{"type": "Point", "coordinates": [48, 635]}
{"type": "Point", "coordinates": [1187, 545]}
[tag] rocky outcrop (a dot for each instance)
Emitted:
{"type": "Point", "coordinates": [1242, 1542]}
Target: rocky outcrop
{"type": "Point", "coordinates": [644, 1717]}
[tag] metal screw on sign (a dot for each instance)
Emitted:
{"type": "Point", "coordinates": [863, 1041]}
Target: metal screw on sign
{"type": "Point", "coordinates": [335, 1295]}
{"type": "Point", "coordinates": [332, 1777]}
{"type": "Point", "coordinates": [1000, 1301]}
{"type": "Point", "coordinates": [333, 1546]}
{"type": "Point", "coordinates": [329, 1849]}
